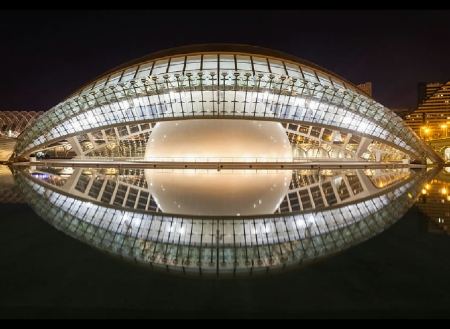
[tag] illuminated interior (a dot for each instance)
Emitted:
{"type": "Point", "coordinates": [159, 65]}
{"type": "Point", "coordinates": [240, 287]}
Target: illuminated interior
{"type": "Point", "coordinates": [222, 104]}
{"type": "Point", "coordinates": [324, 115]}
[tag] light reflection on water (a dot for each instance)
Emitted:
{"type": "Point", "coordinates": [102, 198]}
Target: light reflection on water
{"type": "Point", "coordinates": [318, 213]}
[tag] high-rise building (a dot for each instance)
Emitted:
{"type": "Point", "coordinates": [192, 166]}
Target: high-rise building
{"type": "Point", "coordinates": [366, 87]}
{"type": "Point", "coordinates": [402, 112]}
{"type": "Point", "coordinates": [431, 120]}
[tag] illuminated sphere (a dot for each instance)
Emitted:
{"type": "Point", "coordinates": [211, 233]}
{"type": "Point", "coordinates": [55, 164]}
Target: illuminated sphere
{"type": "Point", "coordinates": [225, 139]}
{"type": "Point", "coordinates": [225, 192]}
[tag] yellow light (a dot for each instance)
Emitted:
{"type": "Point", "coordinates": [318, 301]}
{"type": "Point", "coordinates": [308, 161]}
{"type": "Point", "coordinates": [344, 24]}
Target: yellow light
{"type": "Point", "coordinates": [424, 191]}
{"type": "Point", "coordinates": [444, 190]}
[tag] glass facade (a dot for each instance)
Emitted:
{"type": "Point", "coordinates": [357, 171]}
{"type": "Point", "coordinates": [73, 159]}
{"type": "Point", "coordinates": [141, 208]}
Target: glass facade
{"type": "Point", "coordinates": [235, 84]}
{"type": "Point", "coordinates": [234, 219]}
{"type": "Point", "coordinates": [12, 124]}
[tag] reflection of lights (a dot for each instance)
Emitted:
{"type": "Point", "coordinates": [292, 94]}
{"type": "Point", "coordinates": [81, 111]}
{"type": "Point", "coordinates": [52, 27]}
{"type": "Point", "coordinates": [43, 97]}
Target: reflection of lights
{"type": "Point", "coordinates": [40, 175]}
{"type": "Point", "coordinates": [425, 130]}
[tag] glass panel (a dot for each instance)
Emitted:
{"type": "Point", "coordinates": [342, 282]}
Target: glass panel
{"type": "Point", "coordinates": [260, 64]}
{"type": "Point", "coordinates": [293, 70]}
{"type": "Point", "coordinates": [144, 70]}
{"type": "Point", "coordinates": [129, 74]}
{"type": "Point", "coordinates": [193, 63]}
{"type": "Point", "coordinates": [277, 67]}
{"type": "Point", "coordinates": [176, 64]}
{"type": "Point", "coordinates": [324, 80]}
{"type": "Point", "coordinates": [210, 62]}
{"type": "Point", "coordinates": [243, 63]}
{"type": "Point", "coordinates": [227, 62]}
{"type": "Point", "coordinates": [160, 67]}
{"type": "Point", "coordinates": [114, 78]}
{"type": "Point", "coordinates": [309, 75]}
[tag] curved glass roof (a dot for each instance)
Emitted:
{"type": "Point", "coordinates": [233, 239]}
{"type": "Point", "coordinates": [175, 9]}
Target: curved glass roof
{"type": "Point", "coordinates": [223, 81]}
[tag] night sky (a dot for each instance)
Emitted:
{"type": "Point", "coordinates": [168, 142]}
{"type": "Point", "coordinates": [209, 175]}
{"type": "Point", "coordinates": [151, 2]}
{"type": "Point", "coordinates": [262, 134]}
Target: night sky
{"type": "Point", "coordinates": [47, 54]}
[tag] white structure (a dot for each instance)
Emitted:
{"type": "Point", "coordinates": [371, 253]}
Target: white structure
{"type": "Point", "coordinates": [323, 115]}
{"type": "Point", "coordinates": [223, 104]}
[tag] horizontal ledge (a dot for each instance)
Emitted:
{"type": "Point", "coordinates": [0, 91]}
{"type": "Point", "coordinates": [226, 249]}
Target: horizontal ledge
{"type": "Point", "coordinates": [219, 165]}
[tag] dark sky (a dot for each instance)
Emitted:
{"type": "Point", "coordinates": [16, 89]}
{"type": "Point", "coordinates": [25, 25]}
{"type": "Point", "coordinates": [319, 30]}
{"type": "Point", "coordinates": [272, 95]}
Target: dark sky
{"type": "Point", "coordinates": [47, 54]}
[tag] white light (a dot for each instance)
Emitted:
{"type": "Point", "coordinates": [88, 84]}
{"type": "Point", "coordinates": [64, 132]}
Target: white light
{"type": "Point", "coordinates": [362, 127]}
{"type": "Point", "coordinates": [136, 102]}
{"type": "Point", "coordinates": [347, 120]}
{"type": "Point", "coordinates": [313, 105]}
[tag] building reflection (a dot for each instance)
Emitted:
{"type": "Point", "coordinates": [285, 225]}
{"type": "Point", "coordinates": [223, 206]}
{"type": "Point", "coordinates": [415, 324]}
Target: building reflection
{"type": "Point", "coordinates": [9, 193]}
{"type": "Point", "coordinates": [434, 202]}
{"type": "Point", "coordinates": [319, 213]}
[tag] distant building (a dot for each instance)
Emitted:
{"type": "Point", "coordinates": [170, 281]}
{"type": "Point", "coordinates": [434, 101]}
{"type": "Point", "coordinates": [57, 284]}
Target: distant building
{"type": "Point", "coordinates": [12, 124]}
{"type": "Point", "coordinates": [434, 204]}
{"type": "Point", "coordinates": [366, 87]}
{"type": "Point", "coordinates": [431, 119]}
{"type": "Point", "coordinates": [402, 112]}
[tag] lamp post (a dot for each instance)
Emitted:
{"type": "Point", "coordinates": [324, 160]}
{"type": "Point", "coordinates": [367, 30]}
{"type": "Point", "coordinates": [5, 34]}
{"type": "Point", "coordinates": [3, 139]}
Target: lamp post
{"type": "Point", "coordinates": [444, 127]}
{"type": "Point", "coordinates": [423, 135]}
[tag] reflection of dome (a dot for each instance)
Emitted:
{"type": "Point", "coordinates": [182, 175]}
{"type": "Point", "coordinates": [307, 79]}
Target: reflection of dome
{"type": "Point", "coordinates": [219, 193]}
{"type": "Point", "coordinates": [228, 140]}
{"type": "Point", "coordinates": [219, 246]}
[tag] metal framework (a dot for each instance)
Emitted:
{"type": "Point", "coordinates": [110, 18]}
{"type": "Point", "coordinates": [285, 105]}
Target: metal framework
{"type": "Point", "coordinates": [323, 115]}
{"type": "Point", "coordinates": [235, 83]}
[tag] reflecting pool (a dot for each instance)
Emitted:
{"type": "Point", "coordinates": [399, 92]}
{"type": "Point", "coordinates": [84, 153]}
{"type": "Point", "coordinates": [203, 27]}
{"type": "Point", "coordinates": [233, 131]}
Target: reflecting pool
{"type": "Point", "coordinates": [221, 223]}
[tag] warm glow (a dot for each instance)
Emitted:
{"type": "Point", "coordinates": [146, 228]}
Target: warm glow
{"type": "Point", "coordinates": [219, 140]}
{"type": "Point", "coordinates": [223, 193]}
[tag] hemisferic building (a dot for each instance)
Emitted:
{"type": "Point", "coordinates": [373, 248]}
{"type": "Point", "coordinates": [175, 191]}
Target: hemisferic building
{"type": "Point", "coordinates": [230, 112]}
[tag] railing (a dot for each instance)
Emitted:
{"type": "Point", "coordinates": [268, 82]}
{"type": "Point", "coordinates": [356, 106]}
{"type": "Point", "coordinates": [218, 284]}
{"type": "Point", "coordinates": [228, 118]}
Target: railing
{"type": "Point", "coordinates": [192, 159]}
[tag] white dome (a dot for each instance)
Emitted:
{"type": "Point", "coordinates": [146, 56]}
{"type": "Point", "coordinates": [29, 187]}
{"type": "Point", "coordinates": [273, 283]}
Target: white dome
{"type": "Point", "coordinates": [227, 139]}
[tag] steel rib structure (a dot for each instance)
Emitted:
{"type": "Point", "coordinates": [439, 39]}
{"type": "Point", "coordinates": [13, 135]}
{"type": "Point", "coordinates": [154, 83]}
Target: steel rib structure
{"type": "Point", "coordinates": [237, 82]}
